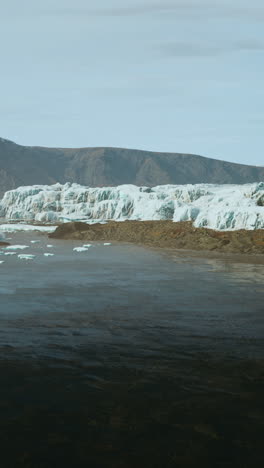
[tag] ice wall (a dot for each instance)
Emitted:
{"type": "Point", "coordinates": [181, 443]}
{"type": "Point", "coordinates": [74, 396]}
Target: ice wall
{"type": "Point", "coordinates": [221, 207]}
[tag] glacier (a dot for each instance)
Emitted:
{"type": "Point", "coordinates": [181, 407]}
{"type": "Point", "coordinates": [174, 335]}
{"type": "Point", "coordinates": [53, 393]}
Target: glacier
{"type": "Point", "coordinates": [219, 207]}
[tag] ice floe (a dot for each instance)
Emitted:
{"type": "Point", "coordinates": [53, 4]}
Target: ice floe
{"type": "Point", "coordinates": [50, 246]}
{"type": "Point", "coordinates": [48, 254]}
{"type": "Point", "coordinates": [10, 253]}
{"type": "Point", "coordinates": [107, 243]}
{"type": "Point", "coordinates": [25, 227]}
{"type": "Point", "coordinates": [35, 241]}
{"type": "Point", "coordinates": [26, 257]}
{"type": "Point", "coordinates": [2, 261]}
{"type": "Point", "coordinates": [17, 247]}
{"type": "Point", "coordinates": [80, 249]}
{"type": "Point", "coordinates": [221, 207]}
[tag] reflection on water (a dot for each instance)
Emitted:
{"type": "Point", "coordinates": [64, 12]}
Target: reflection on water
{"type": "Point", "coordinates": [126, 299]}
{"type": "Point", "coordinates": [240, 271]}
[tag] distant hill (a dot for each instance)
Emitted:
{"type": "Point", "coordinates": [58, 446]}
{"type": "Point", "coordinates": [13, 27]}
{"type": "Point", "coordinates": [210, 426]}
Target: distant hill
{"type": "Point", "coordinates": [26, 165]}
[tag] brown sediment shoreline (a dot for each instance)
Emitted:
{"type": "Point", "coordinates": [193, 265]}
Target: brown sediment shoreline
{"type": "Point", "coordinates": [167, 234]}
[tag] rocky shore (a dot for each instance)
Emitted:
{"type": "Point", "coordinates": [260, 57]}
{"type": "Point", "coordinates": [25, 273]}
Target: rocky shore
{"type": "Point", "coordinates": [166, 234]}
{"type": "Point", "coordinates": [4, 244]}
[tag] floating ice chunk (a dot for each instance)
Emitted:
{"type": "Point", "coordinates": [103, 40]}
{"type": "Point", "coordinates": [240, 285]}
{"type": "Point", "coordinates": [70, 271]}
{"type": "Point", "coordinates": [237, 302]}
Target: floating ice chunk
{"type": "Point", "coordinates": [87, 245]}
{"type": "Point", "coordinates": [34, 241]}
{"type": "Point", "coordinates": [80, 249]}
{"type": "Point", "coordinates": [26, 227]}
{"type": "Point", "coordinates": [50, 246]}
{"type": "Point", "coordinates": [10, 253]}
{"type": "Point", "coordinates": [107, 243]}
{"type": "Point", "coordinates": [2, 261]}
{"type": "Point", "coordinates": [48, 255]}
{"type": "Point", "coordinates": [17, 247]}
{"type": "Point", "coordinates": [26, 257]}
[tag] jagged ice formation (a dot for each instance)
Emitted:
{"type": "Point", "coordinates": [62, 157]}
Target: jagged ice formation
{"type": "Point", "coordinates": [221, 207]}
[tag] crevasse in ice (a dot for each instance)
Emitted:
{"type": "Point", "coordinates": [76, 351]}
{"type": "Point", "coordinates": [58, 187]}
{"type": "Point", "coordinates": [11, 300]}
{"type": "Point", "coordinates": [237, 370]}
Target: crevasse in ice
{"type": "Point", "coordinates": [221, 207]}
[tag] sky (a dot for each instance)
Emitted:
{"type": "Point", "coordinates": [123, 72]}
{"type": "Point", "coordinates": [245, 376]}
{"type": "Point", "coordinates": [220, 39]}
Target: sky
{"type": "Point", "coordinates": [178, 75]}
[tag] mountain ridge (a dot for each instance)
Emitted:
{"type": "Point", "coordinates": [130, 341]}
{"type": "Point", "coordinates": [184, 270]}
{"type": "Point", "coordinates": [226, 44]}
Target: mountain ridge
{"type": "Point", "coordinates": [102, 166]}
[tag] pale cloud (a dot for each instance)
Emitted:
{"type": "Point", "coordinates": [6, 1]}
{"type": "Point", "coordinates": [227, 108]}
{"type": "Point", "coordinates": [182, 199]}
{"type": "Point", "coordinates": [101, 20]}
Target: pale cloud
{"type": "Point", "coordinates": [236, 9]}
{"type": "Point", "coordinates": [196, 49]}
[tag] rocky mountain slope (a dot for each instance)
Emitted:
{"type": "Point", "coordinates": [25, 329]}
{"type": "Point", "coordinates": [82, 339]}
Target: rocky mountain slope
{"type": "Point", "coordinates": [25, 165]}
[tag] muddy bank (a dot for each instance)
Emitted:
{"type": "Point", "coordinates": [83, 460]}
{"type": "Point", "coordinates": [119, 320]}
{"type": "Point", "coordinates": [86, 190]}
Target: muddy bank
{"type": "Point", "coordinates": [166, 234]}
{"type": "Point", "coordinates": [4, 244]}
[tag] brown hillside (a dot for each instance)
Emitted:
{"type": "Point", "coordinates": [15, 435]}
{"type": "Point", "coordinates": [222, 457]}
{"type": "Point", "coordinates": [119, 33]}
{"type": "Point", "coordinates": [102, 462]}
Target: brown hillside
{"type": "Point", "coordinates": [24, 165]}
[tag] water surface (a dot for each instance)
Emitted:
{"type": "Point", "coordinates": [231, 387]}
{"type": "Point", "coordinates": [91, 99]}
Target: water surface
{"type": "Point", "coordinates": [121, 299]}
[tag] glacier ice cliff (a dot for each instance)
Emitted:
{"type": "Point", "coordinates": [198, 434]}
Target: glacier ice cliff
{"type": "Point", "coordinates": [220, 207]}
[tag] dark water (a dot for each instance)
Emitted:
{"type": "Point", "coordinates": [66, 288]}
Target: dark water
{"type": "Point", "coordinates": [129, 357]}
{"type": "Point", "coordinates": [123, 299]}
